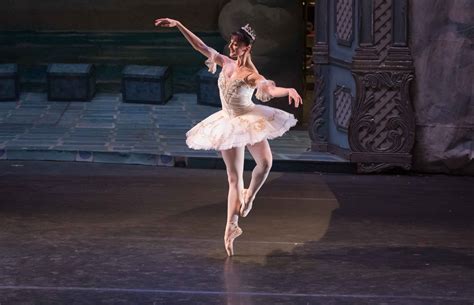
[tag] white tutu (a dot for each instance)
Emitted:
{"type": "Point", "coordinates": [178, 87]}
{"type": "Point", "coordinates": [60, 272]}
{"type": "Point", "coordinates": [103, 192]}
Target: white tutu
{"type": "Point", "coordinates": [220, 131]}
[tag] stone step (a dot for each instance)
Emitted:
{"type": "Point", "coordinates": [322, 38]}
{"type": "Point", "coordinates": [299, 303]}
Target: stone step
{"type": "Point", "coordinates": [108, 130]}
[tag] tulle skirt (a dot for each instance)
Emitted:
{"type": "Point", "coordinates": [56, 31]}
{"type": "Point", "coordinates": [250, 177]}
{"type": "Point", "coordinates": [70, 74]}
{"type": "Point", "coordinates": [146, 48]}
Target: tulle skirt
{"type": "Point", "coordinates": [220, 131]}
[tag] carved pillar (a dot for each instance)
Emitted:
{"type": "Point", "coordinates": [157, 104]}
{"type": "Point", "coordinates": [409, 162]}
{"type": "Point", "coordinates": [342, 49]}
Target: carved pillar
{"type": "Point", "coordinates": [399, 53]}
{"type": "Point", "coordinates": [318, 127]}
{"type": "Point", "coordinates": [382, 125]}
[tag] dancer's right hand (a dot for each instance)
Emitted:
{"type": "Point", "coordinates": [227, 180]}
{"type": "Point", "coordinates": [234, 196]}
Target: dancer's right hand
{"type": "Point", "coordinates": [166, 22]}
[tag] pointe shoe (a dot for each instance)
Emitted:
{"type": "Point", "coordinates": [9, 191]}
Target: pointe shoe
{"type": "Point", "coordinates": [232, 233]}
{"type": "Point", "coordinates": [245, 207]}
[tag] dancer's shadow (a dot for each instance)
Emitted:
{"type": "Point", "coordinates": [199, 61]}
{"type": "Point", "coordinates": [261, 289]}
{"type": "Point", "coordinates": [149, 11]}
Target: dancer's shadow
{"type": "Point", "coordinates": [286, 214]}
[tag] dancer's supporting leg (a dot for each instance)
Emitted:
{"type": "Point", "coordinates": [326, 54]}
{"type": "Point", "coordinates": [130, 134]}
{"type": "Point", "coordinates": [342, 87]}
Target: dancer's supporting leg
{"type": "Point", "coordinates": [234, 161]}
{"type": "Point", "coordinates": [262, 155]}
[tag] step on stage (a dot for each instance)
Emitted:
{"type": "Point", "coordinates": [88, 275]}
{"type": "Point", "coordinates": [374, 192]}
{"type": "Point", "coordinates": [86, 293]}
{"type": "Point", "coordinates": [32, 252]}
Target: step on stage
{"type": "Point", "coordinates": [108, 130]}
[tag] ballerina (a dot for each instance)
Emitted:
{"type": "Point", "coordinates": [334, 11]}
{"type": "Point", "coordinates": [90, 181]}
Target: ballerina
{"type": "Point", "coordinates": [241, 123]}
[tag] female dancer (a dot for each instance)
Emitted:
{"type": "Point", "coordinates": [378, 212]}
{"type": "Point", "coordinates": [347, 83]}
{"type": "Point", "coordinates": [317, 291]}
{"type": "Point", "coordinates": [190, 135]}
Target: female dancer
{"type": "Point", "coordinates": [240, 123]}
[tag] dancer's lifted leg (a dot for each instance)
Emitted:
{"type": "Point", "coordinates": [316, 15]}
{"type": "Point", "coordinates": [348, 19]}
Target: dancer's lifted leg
{"type": "Point", "coordinates": [262, 155]}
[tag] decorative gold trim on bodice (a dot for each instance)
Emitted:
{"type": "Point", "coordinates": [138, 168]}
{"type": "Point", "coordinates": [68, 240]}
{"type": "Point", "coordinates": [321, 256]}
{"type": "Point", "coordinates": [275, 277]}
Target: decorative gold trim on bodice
{"type": "Point", "coordinates": [233, 102]}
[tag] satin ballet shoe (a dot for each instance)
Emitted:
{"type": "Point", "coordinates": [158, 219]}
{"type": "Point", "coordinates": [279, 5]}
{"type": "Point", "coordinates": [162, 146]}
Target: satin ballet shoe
{"type": "Point", "coordinates": [232, 232]}
{"type": "Point", "coordinates": [245, 207]}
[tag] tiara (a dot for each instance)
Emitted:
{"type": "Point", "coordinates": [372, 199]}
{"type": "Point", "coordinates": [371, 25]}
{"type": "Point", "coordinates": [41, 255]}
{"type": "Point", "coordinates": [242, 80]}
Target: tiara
{"type": "Point", "coordinates": [247, 29]}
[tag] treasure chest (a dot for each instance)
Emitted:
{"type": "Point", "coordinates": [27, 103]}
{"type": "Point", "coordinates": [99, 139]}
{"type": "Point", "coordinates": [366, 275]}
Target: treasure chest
{"type": "Point", "coordinates": [71, 82]}
{"type": "Point", "coordinates": [208, 91]}
{"type": "Point", "coordinates": [147, 84]}
{"type": "Point", "coordinates": [9, 83]}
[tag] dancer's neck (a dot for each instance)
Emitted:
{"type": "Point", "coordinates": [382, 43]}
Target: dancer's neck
{"type": "Point", "coordinates": [245, 61]}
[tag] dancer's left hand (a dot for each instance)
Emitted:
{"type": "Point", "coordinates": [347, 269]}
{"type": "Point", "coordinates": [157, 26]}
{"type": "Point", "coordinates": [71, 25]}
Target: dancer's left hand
{"type": "Point", "coordinates": [293, 95]}
{"type": "Point", "coordinates": [166, 22]}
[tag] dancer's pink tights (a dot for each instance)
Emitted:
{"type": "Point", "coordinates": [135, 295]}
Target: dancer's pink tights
{"type": "Point", "coordinates": [234, 161]}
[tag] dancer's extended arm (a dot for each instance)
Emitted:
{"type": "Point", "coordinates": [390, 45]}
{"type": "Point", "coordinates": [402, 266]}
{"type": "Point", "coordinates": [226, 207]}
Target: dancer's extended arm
{"type": "Point", "coordinates": [266, 90]}
{"type": "Point", "coordinates": [195, 41]}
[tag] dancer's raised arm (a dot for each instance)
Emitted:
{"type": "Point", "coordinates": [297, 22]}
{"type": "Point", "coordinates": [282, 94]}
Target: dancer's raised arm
{"type": "Point", "coordinates": [195, 41]}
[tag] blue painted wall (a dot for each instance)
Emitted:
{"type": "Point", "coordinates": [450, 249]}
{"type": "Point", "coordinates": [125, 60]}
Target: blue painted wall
{"type": "Point", "coordinates": [339, 75]}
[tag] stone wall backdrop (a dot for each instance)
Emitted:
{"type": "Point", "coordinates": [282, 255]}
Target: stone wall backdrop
{"type": "Point", "coordinates": [442, 33]}
{"type": "Point", "coordinates": [113, 33]}
{"type": "Point", "coordinates": [107, 33]}
{"type": "Point", "coordinates": [106, 15]}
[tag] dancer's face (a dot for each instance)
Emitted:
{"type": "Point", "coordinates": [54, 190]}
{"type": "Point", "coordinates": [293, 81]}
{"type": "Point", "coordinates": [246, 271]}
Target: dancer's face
{"type": "Point", "coordinates": [237, 48]}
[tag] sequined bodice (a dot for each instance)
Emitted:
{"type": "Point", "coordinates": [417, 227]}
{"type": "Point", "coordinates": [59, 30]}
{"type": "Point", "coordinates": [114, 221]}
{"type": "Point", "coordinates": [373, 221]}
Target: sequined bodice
{"type": "Point", "coordinates": [235, 94]}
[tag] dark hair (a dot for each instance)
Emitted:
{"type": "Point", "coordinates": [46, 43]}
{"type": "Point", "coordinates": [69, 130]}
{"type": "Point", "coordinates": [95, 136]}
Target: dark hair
{"type": "Point", "coordinates": [243, 37]}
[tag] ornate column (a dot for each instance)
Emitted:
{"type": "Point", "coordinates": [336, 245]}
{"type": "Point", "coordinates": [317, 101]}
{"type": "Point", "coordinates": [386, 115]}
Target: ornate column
{"type": "Point", "coordinates": [318, 127]}
{"type": "Point", "coordinates": [382, 126]}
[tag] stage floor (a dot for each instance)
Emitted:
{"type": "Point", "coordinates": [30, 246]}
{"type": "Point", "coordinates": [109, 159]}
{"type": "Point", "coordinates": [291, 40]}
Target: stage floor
{"type": "Point", "coordinates": [91, 233]}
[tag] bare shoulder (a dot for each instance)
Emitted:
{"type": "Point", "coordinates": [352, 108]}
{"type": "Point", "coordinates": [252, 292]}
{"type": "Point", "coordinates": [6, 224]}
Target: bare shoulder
{"type": "Point", "coordinates": [254, 77]}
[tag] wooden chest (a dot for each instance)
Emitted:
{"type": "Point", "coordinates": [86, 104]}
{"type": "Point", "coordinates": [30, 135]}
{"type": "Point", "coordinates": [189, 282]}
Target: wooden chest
{"type": "Point", "coordinates": [208, 91]}
{"type": "Point", "coordinates": [71, 82]}
{"type": "Point", "coordinates": [9, 83]}
{"type": "Point", "coordinates": [147, 84]}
